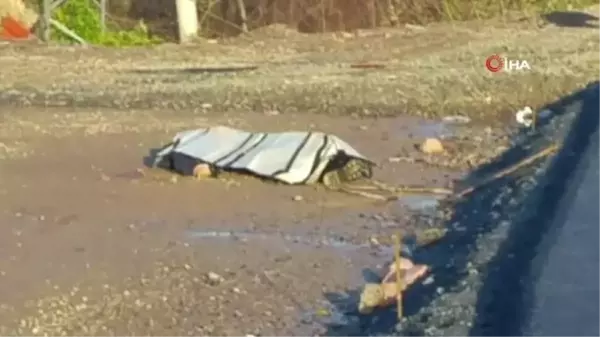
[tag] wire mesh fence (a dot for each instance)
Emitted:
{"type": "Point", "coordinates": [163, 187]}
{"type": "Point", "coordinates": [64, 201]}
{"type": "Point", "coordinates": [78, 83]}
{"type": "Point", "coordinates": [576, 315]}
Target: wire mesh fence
{"type": "Point", "coordinates": [220, 18]}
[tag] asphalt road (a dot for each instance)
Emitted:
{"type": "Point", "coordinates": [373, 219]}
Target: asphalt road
{"type": "Point", "coordinates": [524, 259]}
{"type": "Point", "coordinates": [565, 290]}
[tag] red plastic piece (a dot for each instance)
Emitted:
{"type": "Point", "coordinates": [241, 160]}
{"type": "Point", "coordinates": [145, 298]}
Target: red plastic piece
{"type": "Point", "coordinates": [13, 29]}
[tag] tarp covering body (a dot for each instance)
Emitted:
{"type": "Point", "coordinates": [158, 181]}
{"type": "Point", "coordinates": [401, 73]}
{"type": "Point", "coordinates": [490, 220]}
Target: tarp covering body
{"type": "Point", "coordinates": [290, 157]}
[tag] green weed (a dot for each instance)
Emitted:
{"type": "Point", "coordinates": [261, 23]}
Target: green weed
{"type": "Point", "coordinates": [83, 17]}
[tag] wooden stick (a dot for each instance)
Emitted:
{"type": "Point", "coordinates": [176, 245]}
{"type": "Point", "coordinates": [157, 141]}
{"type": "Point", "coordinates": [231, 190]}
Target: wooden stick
{"type": "Point", "coordinates": [397, 249]}
{"type": "Point", "coordinates": [403, 189]}
{"type": "Point", "coordinates": [545, 152]}
{"type": "Point", "coordinates": [365, 194]}
{"type": "Point", "coordinates": [414, 189]}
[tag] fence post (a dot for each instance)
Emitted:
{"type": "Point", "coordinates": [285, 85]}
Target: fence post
{"type": "Point", "coordinates": [103, 4]}
{"type": "Point", "coordinates": [243, 16]}
{"type": "Point", "coordinates": [187, 20]}
{"type": "Point", "coordinates": [45, 20]}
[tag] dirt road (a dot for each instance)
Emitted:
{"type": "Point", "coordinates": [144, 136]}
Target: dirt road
{"type": "Point", "coordinates": [76, 208]}
{"type": "Point", "coordinates": [97, 244]}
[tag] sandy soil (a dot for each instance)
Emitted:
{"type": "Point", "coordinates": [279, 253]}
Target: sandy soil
{"type": "Point", "coordinates": [94, 247]}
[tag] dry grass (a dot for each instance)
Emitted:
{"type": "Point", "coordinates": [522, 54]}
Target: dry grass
{"type": "Point", "coordinates": [219, 17]}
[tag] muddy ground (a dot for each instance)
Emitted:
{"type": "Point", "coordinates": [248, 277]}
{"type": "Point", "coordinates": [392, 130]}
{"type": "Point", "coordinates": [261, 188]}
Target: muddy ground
{"type": "Point", "coordinates": [78, 207]}
{"type": "Point", "coordinates": [95, 243]}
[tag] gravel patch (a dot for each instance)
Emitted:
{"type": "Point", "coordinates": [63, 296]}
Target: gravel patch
{"type": "Point", "coordinates": [438, 71]}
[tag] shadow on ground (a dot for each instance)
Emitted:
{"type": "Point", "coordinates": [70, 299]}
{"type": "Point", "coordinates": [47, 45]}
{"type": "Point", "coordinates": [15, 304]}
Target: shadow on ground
{"type": "Point", "coordinates": [194, 70]}
{"type": "Point", "coordinates": [572, 19]}
{"type": "Point", "coordinates": [479, 215]}
{"type": "Point", "coordinates": [505, 303]}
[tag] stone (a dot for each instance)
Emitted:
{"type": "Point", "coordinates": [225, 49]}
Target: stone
{"type": "Point", "coordinates": [432, 145]}
{"type": "Point", "coordinates": [214, 278]}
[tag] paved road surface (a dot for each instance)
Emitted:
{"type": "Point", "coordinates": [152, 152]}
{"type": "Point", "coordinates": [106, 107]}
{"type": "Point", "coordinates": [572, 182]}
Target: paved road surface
{"type": "Point", "coordinates": [566, 292]}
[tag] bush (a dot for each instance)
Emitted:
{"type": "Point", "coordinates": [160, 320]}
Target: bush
{"type": "Point", "coordinates": [83, 18]}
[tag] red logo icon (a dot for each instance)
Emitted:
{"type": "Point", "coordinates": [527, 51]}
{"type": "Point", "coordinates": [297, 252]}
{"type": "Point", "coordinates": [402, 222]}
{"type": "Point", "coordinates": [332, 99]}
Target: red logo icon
{"type": "Point", "coordinates": [494, 63]}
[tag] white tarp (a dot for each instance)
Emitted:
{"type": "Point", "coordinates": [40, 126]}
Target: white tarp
{"type": "Point", "coordinates": [290, 157]}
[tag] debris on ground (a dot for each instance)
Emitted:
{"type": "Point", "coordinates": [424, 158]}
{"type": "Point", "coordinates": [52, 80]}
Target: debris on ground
{"type": "Point", "coordinates": [19, 11]}
{"type": "Point", "coordinates": [214, 279]}
{"type": "Point", "coordinates": [384, 294]}
{"type": "Point", "coordinates": [525, 116]}
{"type": "Point", "coordinates": [432, 146]}
{"type": "Point", "coordinates": [431, 236]}
{"type": "Point", "coordinates": [528, 118]}
{"type": "Point", "coordinates": [12, 29]}
{"type": "Point", "coordinates": [511, 169]}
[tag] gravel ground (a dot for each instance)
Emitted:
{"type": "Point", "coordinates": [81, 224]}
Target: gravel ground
{"type": "Point", "coordinates": [435, 71]}
{"type": "Point", "coordinates": [467, 294]}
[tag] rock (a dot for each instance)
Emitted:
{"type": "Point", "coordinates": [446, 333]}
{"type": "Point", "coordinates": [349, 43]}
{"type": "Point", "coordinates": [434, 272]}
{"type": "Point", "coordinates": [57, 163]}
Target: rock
{"type": "Point", "coordinates": [298, 198]}
{"type": "Point", "coordinates": [374, 242]}
{"type": "Point", "coordinates": [214, 278]}
{"type": "Point", "coordinates": [432, 145]}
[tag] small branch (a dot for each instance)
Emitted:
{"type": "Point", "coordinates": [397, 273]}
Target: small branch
{"type": "Point", "coordinates": [365, 194]}
{"type": "Point", "coordinates": [528, 160]}
{"type": "Point", "coordinates": [397, 249]}
{"type": "Point", "coordinates": [378, 185]}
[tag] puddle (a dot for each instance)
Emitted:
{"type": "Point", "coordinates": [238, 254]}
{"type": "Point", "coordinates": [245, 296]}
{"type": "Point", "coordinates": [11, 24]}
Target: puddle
{"type": "Point", "coordinates": [361, 260]}
{"type": "Point", "coordinates": [421, 203]}
{"type": "Point", "coordinates": [445, 128]}
{"type": "Point", "coordinates": [433, 130]}
{"type": "Point", "coordinates": [337, 313]}
{"type": "Point", "coordinates": [340, 316]}
{"type": "Point", "coordinates": [378, 251]}
{"type": "Point", "coordinates": [332, 242]}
